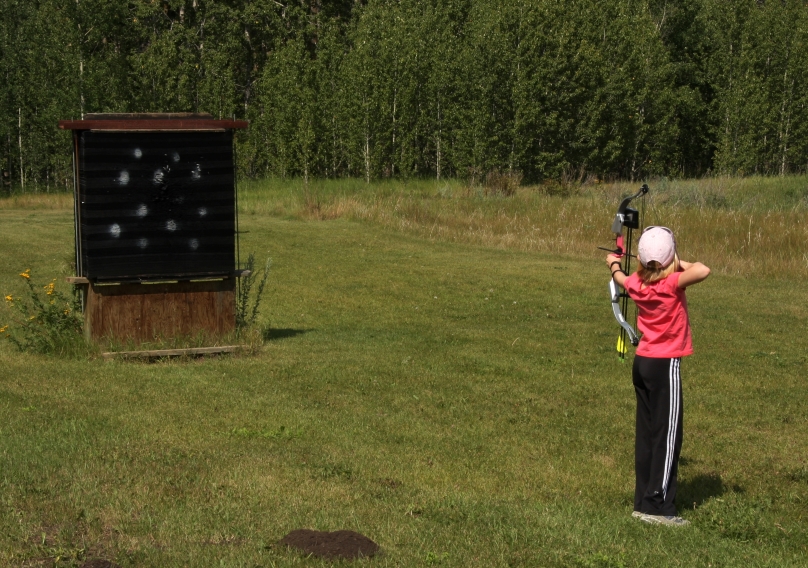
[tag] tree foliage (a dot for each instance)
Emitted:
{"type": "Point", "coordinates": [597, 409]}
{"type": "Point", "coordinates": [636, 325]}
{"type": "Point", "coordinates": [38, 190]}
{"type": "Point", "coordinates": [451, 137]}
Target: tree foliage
{"type": "Point", "coordinates": [381, 88]}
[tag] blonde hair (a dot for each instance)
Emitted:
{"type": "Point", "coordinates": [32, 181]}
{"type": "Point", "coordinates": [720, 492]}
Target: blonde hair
{"type": "Point", "coordinates": [654, 271]}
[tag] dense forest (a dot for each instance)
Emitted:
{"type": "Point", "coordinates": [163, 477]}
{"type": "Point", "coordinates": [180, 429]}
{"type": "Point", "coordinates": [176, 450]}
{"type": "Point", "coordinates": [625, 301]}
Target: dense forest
{"type": "Point", "coordinates": [427, 88]}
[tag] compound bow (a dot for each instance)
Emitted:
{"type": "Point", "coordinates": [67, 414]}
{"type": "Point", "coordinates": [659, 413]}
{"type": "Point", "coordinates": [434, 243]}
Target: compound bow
{"type": "Point", "coordinates": [626, 218]}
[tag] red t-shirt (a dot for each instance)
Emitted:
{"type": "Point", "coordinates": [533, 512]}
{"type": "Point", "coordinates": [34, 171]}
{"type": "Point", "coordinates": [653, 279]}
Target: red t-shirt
{"type": "Point", "coordinates": [662, 317]}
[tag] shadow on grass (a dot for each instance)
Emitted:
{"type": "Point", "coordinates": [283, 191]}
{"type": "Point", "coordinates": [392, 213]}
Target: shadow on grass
{"type": "Point", "coordinates": [270, 334]}
{"type": "Point", "coordinates": [699, 489]}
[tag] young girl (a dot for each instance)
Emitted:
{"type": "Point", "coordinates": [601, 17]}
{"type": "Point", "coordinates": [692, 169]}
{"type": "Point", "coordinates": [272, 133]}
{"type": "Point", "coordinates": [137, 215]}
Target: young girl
{"type": "Point", "coordinates": [658, 289]}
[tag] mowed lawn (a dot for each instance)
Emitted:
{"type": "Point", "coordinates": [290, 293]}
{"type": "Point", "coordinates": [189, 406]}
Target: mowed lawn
{"type": "Point", "coordinates": [460, 405]}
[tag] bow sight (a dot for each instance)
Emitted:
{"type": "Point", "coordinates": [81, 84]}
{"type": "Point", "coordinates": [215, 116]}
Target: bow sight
{"type": "Point", "coordinates": [628, 216]}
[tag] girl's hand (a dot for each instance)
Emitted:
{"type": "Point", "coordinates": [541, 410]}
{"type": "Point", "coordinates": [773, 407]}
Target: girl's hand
{"type": "Point", "coordinates": [610, 258]}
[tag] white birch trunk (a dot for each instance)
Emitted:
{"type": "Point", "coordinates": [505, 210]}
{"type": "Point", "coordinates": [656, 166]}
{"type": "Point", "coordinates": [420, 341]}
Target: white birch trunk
{"type": "Point", "coordinates": [367, 156]}
{"type": "Point", "coordinates": [393, 148]}
{"type": "Point", "coordinates": [437, 149]}
{"type": "Point", "coordinates": [19, 127]}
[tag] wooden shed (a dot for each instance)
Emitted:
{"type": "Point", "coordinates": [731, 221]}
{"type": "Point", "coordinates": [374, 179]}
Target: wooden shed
{"type": "Point", "coordinates": [156, 224]}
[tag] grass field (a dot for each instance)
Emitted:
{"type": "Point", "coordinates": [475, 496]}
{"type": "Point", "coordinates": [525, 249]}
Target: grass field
{"type": "Point", "coordinates": [439, 374]}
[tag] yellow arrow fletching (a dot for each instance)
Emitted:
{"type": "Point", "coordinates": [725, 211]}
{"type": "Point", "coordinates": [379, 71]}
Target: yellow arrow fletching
{"type": "Point", "coordinates": [621, 345]}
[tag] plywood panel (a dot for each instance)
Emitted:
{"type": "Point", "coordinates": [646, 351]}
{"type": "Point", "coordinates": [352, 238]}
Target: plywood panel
{"type": "Point", "coordinates": [146, 312]}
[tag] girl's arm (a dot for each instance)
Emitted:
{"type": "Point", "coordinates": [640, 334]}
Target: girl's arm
{"type": "Point", "coordinates": [613, 261]}
{"type": "Point", "coordinates": [692, 273]}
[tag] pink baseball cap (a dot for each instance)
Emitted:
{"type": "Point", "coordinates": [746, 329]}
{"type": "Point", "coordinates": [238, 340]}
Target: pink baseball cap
{"type": "Point", "coordinates": [656, 244]}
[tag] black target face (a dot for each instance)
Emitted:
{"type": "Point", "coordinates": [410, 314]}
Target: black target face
{"type": "Point", "coordinates": [156, 204]}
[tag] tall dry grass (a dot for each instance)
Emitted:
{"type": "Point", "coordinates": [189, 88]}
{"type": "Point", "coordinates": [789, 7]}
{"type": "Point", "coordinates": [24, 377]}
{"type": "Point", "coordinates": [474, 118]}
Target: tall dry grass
{"type": "Point", "coordinates": [740, 226]}
{"type": "Point", "coordinates": [40, 201]}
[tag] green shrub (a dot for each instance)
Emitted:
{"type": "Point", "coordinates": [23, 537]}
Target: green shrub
{"type": "Point", "coordinates": [46, 321]}
{"type": "Point", "coordinates": [247, 304]}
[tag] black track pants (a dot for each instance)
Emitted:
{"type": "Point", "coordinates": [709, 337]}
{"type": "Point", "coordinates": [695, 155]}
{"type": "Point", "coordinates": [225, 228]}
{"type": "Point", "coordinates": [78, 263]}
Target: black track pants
{"type": "Point", "coordinates": [659, 434]}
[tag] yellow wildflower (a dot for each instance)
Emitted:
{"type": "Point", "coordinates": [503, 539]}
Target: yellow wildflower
{"type": "Point", "coordinates": [3, 329]}
{"type": "Point", "coordinates": [26, 274]}
{"type": "Point", "coordinates": [32, 318]}
{"type": "Point", "coordinates": [9, 298]}
{"type": "Point", "coordinates": [67, 311]}
{"type": "Point", "coordinates": [49, 288]}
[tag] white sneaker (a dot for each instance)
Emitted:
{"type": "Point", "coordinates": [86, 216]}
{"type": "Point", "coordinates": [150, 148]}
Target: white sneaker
{"type": "Point", "coordinates": [670, 521]}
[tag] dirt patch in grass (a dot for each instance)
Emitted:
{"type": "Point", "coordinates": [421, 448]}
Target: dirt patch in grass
{"type": "Point", "coordinates": [332, 545]}
{"type": "Point", "coordinates": [99, 563]}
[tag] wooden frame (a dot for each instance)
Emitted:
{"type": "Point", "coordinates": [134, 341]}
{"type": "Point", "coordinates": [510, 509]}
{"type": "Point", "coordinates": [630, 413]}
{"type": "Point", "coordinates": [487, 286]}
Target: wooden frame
{"type": "Point", "coordinates": [151, 122]}
{"type": "Point", "coordinates": [152, 125]}
{"type": "Point", "coordinates": [141, 312]}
